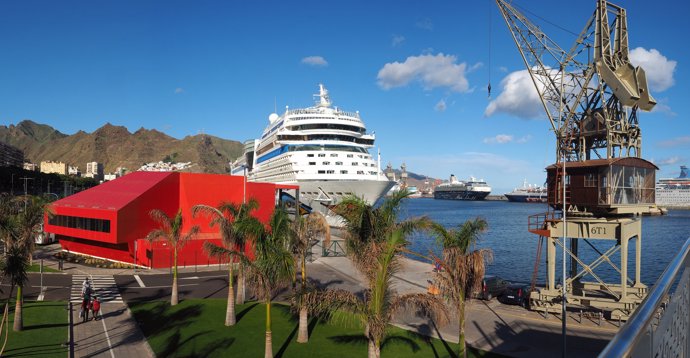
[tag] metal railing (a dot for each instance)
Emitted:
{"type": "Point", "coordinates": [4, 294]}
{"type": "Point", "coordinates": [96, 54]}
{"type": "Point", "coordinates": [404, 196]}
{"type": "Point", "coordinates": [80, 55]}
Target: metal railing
{"type": "Point", "coordinates": [660, 327]}
{"type": "Point", "coordinates": [337, 248]}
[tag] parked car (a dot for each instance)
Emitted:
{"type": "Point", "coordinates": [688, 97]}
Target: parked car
{"type": "Point", "coordinates": [492, 286]}
{"type": "Point", "coordinates": [516, 294]}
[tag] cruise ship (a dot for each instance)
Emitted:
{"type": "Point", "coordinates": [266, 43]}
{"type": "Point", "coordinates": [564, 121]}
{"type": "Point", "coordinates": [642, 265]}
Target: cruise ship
{"type": "Point", "coordinates": [455, 189]}
{"type": "Point", "coordinates": [528, 194]}
{"type": "Point", "coordinates": [674, 192]}
{"type": "Point", "coordinates": [323, 149]}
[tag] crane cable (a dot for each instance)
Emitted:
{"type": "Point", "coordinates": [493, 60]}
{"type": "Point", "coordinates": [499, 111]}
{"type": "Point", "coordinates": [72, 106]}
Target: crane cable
{"type": "Point", "coordinates": [488, 89]}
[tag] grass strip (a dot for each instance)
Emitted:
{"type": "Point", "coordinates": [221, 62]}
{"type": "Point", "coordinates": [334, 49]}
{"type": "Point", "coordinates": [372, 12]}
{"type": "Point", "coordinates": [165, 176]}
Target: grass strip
{"type": "Point", "coordinates": [195, 328]}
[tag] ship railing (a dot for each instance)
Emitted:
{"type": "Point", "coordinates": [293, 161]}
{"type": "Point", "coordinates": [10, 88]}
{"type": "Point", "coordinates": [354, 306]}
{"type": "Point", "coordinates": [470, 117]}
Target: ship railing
{"type": "Point", "coordinates": [660, 326]}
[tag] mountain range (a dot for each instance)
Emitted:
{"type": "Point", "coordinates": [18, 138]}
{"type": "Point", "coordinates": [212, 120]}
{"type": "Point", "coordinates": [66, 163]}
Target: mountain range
{"type": "Point", "coordinates": [115, 146]}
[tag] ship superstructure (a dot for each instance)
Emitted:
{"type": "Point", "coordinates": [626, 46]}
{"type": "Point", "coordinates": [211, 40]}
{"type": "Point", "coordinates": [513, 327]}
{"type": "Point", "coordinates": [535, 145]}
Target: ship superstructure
{"type": "Point", "coordinates": [323, 149]}
{"type": "Point", "coordinates": [454, 189]}
{"type": "Point", "coordinates": [528, 193]}
{"type": "Point", "coordinates": [674, 192]}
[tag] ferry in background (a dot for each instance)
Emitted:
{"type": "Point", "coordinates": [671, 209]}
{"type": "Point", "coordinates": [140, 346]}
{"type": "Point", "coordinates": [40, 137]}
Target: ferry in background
{"type": "Point", "coordinates": [528, 193]}
{"type": "Point", "coordinates": [455, 189]}
{"type": "Point", "coordinates": [674, 192]}
{"type": "Point", "coordinates": [322, 149]}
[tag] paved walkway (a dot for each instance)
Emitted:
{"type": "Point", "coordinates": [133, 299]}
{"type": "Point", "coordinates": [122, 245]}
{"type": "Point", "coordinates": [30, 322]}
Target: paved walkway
{"type": "Point", "coordinates": [114, 334]}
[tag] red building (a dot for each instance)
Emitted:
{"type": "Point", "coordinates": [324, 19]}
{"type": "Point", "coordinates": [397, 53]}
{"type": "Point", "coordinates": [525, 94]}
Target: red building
{"type": "Point", "coordinates": [111, 221]}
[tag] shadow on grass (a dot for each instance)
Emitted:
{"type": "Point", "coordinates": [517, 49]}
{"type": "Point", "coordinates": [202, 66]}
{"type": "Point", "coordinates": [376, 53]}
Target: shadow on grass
{"type": "Point", "coordinates": [239, 315]}
{"type": "Point", "coordinates": [150, 319]}
{"type": "Point", "coordinates": [41, 326]}
{"type": "Point", "coordinates": [36, 351]}
{"type": "Point", "coordinates": [175, 343]}
{"type": "Point", "coordinates": [287, 342]}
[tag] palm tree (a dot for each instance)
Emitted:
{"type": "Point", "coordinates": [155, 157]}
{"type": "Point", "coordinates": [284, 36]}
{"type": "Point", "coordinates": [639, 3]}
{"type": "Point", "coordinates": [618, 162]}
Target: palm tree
{"type": "Point", "coordinates": [14, 267]}
{"type": "Point", "coordinates": [21, 220]}
{"type": "Point", "coordinates": [307, 229]}
{"type": "Point", "coordinates": [273, 267]}
{"type": "Point", "coordinates": [171, 231]}
{"type": "Point", "coordinates": [461, 270]}
{"type": "Point", "coordinates": [375, 240]}
{"type": "Point", "coordinates": [236, 226]}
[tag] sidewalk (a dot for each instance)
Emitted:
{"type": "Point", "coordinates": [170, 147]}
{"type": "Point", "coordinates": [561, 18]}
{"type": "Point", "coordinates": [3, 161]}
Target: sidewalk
{"type": "Point", "coordinates": [490, 326]}
{"type": "Point", "coordinates": [114, 334]}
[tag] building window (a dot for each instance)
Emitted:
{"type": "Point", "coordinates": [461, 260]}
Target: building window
{"type": "Point", "coordinates": [310, 155]}
{"type": "Point", "coordinates": [322, 172]}
{"type": "Point", "coordinates": [343, 172]}
{"type": "Point", "coordinates": [312, 163]}
{"type": "Point", "coordinates": [354, 164]}
{"type": "Point", "coordinates": [82, 223]}
{"type": "Point", "coordinates": [326, 163]}
{"type": "Point", "coordinates": [334, 155]}
{"type": "Point", "coordinates": [590, 180]}
{"type": "Point", "coordinates": [330, 171]}
{"type": "Point", "coordinates": [321, 155]}
{"type": "Point", "coordinates": [338, 163]}
{"type": "Point", "coordinates": [350, 155]}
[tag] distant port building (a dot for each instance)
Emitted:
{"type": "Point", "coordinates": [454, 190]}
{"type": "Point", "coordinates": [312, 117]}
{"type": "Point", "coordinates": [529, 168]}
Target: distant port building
{"type": "Point", "coordinates": [94, 170]}
{"type": "Point", "coordinates": [50, 167]}
{"type": "Point", "coordinates": [110, 221]}
{"type": "Point", "coordinates": [11, 156]}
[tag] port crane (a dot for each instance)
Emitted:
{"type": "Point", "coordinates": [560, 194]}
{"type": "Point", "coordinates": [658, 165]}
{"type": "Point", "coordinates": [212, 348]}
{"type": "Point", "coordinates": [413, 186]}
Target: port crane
{"type": "Point", "coordinates": [592, 96]}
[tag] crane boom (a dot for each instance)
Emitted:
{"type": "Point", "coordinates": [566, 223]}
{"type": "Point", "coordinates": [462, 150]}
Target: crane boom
{"type": "Point", "coordinates": [590, 99]}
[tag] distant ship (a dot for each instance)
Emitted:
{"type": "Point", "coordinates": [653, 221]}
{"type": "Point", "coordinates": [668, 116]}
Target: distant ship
{"type": "Point", "coordinates": [674, 192]}
{"type": "Point", "coordinates": [455, 189]}
{"type": "Point", "coordinates": [322, 149]}
{"type": "Point", "coordinates": [528, 194]}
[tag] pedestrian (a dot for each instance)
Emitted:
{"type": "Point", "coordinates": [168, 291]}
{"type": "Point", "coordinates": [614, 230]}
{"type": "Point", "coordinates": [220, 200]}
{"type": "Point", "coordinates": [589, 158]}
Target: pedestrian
{"type": "Point", "coordinates": [60, 264]}
{"type": "Point", "coordinates": [85, 299]}
{"type": "Point", "coordinates": [95, 308]}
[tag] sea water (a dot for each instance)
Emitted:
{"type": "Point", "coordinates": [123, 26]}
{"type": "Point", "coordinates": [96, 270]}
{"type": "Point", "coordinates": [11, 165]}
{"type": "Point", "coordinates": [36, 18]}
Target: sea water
{"type": "Point", "coordinates": [515, 249]}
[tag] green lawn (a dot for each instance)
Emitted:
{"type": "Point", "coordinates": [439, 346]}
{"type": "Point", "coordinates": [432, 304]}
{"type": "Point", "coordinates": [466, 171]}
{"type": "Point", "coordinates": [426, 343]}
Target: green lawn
{"type": "Point", "coordinates": [37, 268]}
{"type": "Point", "coordinates": [45, 330]}
{"type": "Point", "coordinates": [195, 328]}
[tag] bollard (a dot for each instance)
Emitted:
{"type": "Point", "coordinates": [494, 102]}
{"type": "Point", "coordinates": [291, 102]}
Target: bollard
{"type": "Point", "coordinates": [546, 313]}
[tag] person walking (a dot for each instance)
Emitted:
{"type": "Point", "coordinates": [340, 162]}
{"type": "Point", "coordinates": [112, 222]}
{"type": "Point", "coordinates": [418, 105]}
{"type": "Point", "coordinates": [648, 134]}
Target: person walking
{"type": "Point", "coordinates": [85, 299]}
{"type": "Point", "coordinates": [95, 308]}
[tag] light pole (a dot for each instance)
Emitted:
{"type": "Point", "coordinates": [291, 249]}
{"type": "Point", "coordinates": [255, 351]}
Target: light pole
{"type": "Point", "coordinates": [25, 189]}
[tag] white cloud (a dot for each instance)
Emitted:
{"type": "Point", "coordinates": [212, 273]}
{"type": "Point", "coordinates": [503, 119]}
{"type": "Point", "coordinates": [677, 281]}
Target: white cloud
{"type": "Point", "coordinates": [524, 139]}
{"type": "Point", "coordinates": [499, 139]}
{"type": "Point", "coordinates": [441, 105]}
{"type": "Point", "coordinates": [179, 90]}
{"type": "Point", "coordinates": [398, 40]}
{"type": "Point", "coordinates": [503, 69]}
{"type": "Point", "coordinates": [663, 107]}
{"type": "Point", "coordinates": [658, 68]}
{"type": "Point", "coordinates": [675, 142]}
{"type": "Point", "coordinates": [668, 161]}
{"type": "Point", "coordinates": [432, 71]}
{"type": "Point", "coordinates": [315, 61]}
{"type": "Point", "coordinates": [475, 67]}
{"type": "Point", "coordinates": [518, 97]}
{"type": "Point", "coordinates": [425, 24]}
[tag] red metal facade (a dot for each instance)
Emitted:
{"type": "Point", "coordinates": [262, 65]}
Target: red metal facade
{"type": "Point", "coordinates": [127, 201]}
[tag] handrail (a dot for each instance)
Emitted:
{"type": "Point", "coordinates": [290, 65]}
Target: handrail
{"type": "Point", "coordinates": [624, 342]}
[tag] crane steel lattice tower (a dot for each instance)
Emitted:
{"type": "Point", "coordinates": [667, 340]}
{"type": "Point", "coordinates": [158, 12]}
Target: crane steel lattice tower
{"type": "Point", "coordinates": [591, 95]}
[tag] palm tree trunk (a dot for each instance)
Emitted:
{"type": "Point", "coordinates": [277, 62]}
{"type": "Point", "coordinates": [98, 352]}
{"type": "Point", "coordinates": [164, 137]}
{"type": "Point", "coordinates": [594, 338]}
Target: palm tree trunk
{"type": "Point", "coordinates": [374, 349]}
{"type": "Point", "coordinates": [6, 320]}
{"type": "Point", "coordinates": [18, 317]}
{"type": "Point", "coordinates": [230, 319]}
{"type": "Point", "coordinates": [174, 298]}
{"type": "Point", "coordinates": [303, 331]}
{"type": "Point", "coordinates": [269, 336]}
{"type": "Point", "coordinates": [240, 286]}
{"type": "Point", "coordinates": [462, 353]}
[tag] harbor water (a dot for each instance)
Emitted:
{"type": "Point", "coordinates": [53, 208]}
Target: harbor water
{"type": "Point", "coordinates": [514, 248]}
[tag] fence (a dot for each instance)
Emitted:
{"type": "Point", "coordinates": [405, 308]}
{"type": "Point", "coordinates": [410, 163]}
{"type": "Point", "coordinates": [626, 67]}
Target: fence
{"type": "Point", "coordinates": [661, 325]}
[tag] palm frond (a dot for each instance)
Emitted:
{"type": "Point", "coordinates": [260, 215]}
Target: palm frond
{"type": "Point", "coordinates": [422, 304]}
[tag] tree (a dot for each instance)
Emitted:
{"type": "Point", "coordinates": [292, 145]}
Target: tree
{"type": "Point", "coordinates": [237, 227]}
{"type": "Point", "coordinates": [461, 270]}
{"type": "Point", "coordinates": [307, 229]}
{"type": "Point", "coordinates": [20, 220]}
{"type": "Point", "coordinates": [375, 240]}
{"type": "Point", "coordinates": [273, 267]}
{"type": "Point", "coordinates": [171, 231]}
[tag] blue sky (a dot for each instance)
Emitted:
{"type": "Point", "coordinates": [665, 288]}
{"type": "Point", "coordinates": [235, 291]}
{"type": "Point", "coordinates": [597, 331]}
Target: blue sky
{"type": "Point", "coordinates": [416, 70]}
